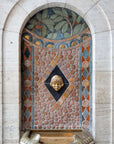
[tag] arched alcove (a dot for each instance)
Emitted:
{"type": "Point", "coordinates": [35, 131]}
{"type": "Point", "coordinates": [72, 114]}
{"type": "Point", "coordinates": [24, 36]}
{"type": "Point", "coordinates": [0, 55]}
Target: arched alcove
{"type": "Point", "coordinates": [11, 29]}
{"type": "Point", "coordinates": [56, 41]}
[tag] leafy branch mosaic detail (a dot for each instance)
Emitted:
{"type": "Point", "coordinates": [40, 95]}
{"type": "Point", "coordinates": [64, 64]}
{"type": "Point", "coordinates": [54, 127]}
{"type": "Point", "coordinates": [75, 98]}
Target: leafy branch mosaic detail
{"type": "Point", "coordinates": [56, 23]}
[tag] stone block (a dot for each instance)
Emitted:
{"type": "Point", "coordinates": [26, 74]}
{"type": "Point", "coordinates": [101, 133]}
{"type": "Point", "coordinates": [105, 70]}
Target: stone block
{"type": "Point", "coordinates": [102, 47]}
{"type": "Point", "coordinates": [11, 51]}
{"type": "Point", "coordinates": [1, 49]}
{"type": "Point", "coordinates": [108, 8]}
{"type": "Point", "coordinates": [1, 67]}
{"type": "Point", "coordinates": [113, 122]}
{"type": "Point", "coordinates": [97, 20]}
{"type": "Point", "coordinates": [82, 6]}
{"type": "Point", "coordinates": [102, 65]}
{"type": "Point", "coordinates": [113, 87]}
{"type": "Point", "coordinates": [33, 6]}
{"type": "Point", "coordinates": [58, 3]}
{"type": "Point", "coordinates": [16, 22]}
{"type": "Point", "coordinates": [103, 123]}
{"type": "Point", "coordinates": [11, 127]}
{"type": "Point", "coordinates": [0, 87]}
{"type": "Point", "coordinates": [112, 50]}
{"type": "Point", "coordinates": [11, 90]}
{"type": "Point", "coordinates": [5, 8]}
{"type": "Point", "coordinates": [102, 87]}
{"type": "Point", "coordinates": [1, 125]}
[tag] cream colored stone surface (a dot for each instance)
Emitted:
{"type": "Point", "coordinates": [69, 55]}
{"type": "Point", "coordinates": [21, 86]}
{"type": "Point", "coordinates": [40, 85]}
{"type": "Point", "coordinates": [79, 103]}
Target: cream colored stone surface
{"type": "Point", "coordinates": [11, 68]}
{"type": "Point", "coordinates": [102, 46]}
{"type": "Point", "coordinates": [5, 8]}
{"type": "Point", "coordinates": [96, 1]}
{"type": "Point", "coordinates": [1, 31]}
{"type": "Point", "coordinates": [11, 92]}
{"type": "Point", "coordinates": [112, 50]}
{"type": "Point", "coordinates": [59, 3]}
{"type": "Point", "coordinates": [0, 67]}
{"type": "Point", "coordinates": [32, 5]}
{"type": "Point", "coordinates": [11, 56]}
{"type": "Point", "coordinates": [102, 54]}
{"type": "Point", "coordinates": [108, 8]}
{"type": "Point", "coordinates": [96, 17]}
{"type": "Point", "coordinates": [11, 128]}
{"type": "Point", "coordinates": [103, 65]}
{"type": "Point", "coordinates": [0, 87]}
{"type": "Point", "coordinates": [113, 106]}
{"type": "Point", "coordinates": [103, 87]}
{"type": "Point", "coordinates": [112, 87]}
{"type": "Point", "coordinates": [102, 123]}
{"type": "Point", "coordinates": [83, 6]}
{"type": "Point", "coordinates": [113, 122]}
{"type": "Point", "coordinates": [15, 21]}
{"type": "Point", "coordinates": [1, 123]}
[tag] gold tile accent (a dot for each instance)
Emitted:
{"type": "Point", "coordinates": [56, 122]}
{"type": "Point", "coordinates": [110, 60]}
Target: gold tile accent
{"type": "Point", "coordinates": [47, 72]}
{"type": "Point", "coordinates": [65, 94]}
{"type": "Point", "coordinates": [55, 59]}
{"type": "Point", "coordinates": [53, 63]}
{"type": "Point", "coordinates": [73, 43]}
{"type": "Point", "coordinates": [70, 87]}
{"type": "Point", "coordinates": [27, 37]}
{"type": "Point", "coordinates": [85, 82]}
{"type": "Point", "coordinates": [63, 98]}
{"type": "Point", "coordinates": [49, 46]}
{"type": "Point", "coordinates": [40, 81]}
{"type": "Point", "coordinates": [60, 101]}
{"type": "Point", "coordinates": [38, 43]}
{"type": "Point", "coordinates": [70, 80]}
{"type": "Point", "coordinates": [62, 46]}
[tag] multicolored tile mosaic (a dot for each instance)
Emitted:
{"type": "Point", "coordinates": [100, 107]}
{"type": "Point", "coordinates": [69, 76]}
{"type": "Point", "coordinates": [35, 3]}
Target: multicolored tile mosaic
{"type": "Point", "coordinates": [56, 37]}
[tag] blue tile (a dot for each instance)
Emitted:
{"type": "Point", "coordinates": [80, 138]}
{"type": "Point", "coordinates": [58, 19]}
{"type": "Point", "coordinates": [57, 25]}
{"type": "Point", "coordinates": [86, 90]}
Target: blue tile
{"type": "Point", "coordinates": [85, 92]}
{"type": "Point", "coordinates": [85, 54]}
{"type": "Point", "coordinates": [85, 113]}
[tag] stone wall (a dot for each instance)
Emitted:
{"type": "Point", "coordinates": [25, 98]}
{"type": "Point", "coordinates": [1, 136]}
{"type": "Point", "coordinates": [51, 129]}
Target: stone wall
{"type": "Point", "coordinates": [100, 17]}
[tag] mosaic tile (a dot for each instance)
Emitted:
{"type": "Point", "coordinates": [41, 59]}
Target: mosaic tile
{"type": "Point", "coordinates": [27, 73]}
{"type": "Point", "coordinates": [27, 93]}
{"type": "Point", "coordinates": [58, 23]}
{"type": "Point", "coordinates": [27, 114]}
{"type": "Point", "coordinates": [48, 40]}
{"type": "Point", "coordinates": [85, 92]}
{"type": "Point", "coordinates": [27, 53]}
{"type": "Point", "coordinates": [85, 73]}
{"type": "Point", "coordinates": [85, 54]}
{"type": "Point", "coordinates": [85, 113]}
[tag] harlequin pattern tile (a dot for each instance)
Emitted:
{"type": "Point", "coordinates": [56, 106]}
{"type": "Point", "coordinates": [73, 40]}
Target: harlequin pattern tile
{"type": "Point", "coordinates": [49, 41]}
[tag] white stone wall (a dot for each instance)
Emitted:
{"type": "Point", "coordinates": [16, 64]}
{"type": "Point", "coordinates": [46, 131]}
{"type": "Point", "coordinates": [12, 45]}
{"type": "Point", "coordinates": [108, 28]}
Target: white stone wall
{"type": "Point", "coordinates": [99, 14]}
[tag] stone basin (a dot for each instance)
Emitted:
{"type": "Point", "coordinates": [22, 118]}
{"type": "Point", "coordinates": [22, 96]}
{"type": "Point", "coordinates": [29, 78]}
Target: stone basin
{"type": "Point", "coordinates": [64, 137]}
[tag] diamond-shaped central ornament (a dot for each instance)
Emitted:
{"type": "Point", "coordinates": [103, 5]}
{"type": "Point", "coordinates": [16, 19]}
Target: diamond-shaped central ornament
{"type": "Point", "coordinates": [56, 83]}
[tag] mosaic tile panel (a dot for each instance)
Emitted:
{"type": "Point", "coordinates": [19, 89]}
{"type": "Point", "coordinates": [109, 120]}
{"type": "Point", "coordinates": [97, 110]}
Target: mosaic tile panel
{"type": "Point", "coordinates": [56, 38]}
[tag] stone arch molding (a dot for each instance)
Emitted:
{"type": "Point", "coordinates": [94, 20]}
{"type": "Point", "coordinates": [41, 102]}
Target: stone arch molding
{"type": "Point", "coordinates": [100, 28]}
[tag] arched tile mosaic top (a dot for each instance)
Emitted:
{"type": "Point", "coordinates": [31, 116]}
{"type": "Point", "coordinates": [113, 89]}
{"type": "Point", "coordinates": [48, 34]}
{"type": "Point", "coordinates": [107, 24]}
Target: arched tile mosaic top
{"type": "Point", "coordinates": [56, 23]}
{"type": "Point", "coordinates": [56, 41]}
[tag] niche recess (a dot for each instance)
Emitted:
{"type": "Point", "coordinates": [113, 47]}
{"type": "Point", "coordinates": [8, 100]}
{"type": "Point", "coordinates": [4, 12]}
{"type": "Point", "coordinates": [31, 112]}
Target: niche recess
{"type": "Point", "coordinates": [56, 41]}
